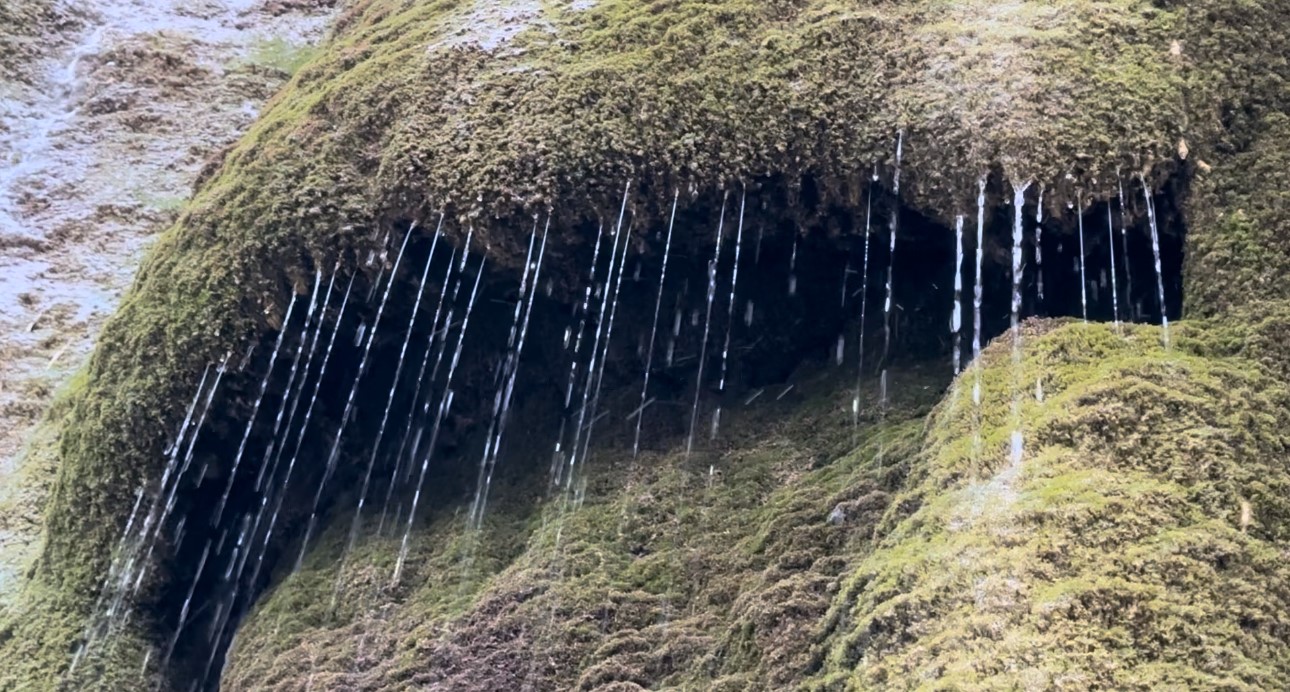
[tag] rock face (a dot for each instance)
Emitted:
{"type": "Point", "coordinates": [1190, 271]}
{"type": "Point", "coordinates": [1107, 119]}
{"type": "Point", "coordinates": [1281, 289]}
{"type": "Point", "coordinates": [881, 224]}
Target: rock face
{"type": "Point", "coordinates": [1139, 542]}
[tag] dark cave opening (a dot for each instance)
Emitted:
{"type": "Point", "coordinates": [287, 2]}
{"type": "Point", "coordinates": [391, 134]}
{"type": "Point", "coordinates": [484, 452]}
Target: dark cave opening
{"type": "Point", "coordinates": [799, 297]}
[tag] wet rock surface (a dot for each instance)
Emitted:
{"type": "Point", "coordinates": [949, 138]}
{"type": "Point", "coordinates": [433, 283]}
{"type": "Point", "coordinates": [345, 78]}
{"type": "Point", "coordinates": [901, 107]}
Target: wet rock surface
{"type": "Point", "coordinates": [108, 111]}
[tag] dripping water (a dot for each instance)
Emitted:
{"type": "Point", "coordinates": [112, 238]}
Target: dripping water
{"type": "Point", "coordinates": [389, 404]}
{"type": "Point", "coordinates": [891, 270]}
{"type": "Point", "coordinates": [512, 371]}
{"type": "Point", "coordinates": [976, 319]}
{"type": "Point", "coordinates": [445, 403]}
{"type": "Point", "coordinates": [334, 454]}
{"type": "Point", "coordinates": [658, 304]}
{"type": "Point", "coordinates": [1039, 246]}
{"type": "Point", "coordinates": [1155, 251]}
{"type": "Point", "coordinates": [730, 312]}
{"type": "Point", "coordinates": [956, 319]}
{"type": "Point", "coordinates": [1018, 201]}
{"type": "Point", "coordinates": [1110, 247]}
{"type": "Point", "coordinates": [712, 292]}
{"type": "Point", "coordinates": [1083, 282]}
{"type": "Point", "coordinates": [864, 303]}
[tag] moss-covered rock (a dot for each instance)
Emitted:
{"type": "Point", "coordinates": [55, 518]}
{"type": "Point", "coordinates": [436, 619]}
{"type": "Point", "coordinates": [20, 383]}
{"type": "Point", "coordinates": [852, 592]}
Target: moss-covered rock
{"type": "Point", "coordinates": [494, 114]}
{"type": "Point", "coordinates": [1139, 544]}
{"type": "Point", "coordinates": [702, 570]}
{"type": "Point", "coordinates": [1239, 240]}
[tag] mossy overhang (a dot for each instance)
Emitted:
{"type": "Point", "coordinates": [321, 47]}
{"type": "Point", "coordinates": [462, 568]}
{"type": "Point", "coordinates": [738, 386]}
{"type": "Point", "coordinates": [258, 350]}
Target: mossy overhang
{"type": "Point", "coordinates": [494, 114]}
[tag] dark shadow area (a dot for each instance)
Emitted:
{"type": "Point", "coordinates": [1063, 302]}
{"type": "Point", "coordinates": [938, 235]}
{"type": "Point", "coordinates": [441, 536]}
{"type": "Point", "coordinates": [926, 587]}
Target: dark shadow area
{"type": "Point", "coordinates": [808, 276]}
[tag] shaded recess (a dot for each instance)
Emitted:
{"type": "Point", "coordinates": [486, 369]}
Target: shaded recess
{"type": "Point", "coordinates": [798, 301]}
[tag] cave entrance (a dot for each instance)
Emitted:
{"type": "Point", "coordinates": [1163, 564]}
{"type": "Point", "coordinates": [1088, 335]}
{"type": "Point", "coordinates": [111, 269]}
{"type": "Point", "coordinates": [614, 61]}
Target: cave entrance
{"type": "Point", "coordinates": [812, 286]}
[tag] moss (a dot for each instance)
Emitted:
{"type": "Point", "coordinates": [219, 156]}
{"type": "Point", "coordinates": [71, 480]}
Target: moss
{"type": "Point", "coordinates": [406, 111]}
{"type": "Point", "coordinates": [1119, 554]}
{"type": "Point", "coordinates": [669, 574]}
{"type": "Point", "coordinates": [280, 55]}
{"type": "Point", "coordinates": [1114, 556]}
{"type": "Point", "coordinates": [1240, 227]}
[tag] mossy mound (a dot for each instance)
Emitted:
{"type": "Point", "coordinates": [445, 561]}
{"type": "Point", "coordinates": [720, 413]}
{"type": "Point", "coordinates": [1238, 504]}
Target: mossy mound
{"type": "Point", "coordinates": [1139, 545]}
{"type": "Point", "coordinates": [708, 571]}
{"type": "Point", "coordinates": [497, 113]}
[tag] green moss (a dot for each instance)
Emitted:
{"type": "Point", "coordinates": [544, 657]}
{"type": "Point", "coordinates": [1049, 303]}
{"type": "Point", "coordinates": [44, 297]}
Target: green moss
{"type": "Point", "coordinates": [405, 112]}
{"type": "Point", "coordinates": [675, 571]}
{"type": "Point", "coordinates": [1136, 547]}
{"type": "Point", "coordinates": [1239, 216]}
{"type": "Point", "coordinates": [1116, 555]}
{"type": "Point", "coordinates": [281, 55]}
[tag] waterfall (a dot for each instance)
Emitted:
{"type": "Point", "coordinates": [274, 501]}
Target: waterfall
{"type": "Point", "coordinates": [1018, 201]}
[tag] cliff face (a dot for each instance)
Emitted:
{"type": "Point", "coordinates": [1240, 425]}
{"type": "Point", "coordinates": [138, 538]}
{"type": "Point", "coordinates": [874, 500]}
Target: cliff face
{"type": "Point", "coordinates": [890, 541]}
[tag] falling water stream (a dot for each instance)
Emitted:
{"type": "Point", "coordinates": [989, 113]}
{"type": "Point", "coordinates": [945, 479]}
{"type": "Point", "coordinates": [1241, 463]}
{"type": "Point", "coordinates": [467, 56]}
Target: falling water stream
{"type": "Point", "coordinates": [1018, 202]}
{"type": "Point", "coordinates": [891, 272]}
{"type": "Point", "coordinates": [510, 371]}
{"type": "Point", "coordinates": [730, 313]}
{"type": "Point", "coordinates": [590, 377]}
{"type": "Point", "coordinates": [1083, 282]}
{"type": "Point", "coordinates": [707, 323]}
{"type": "Point", "coordinates": [1110, 250]}
{"type": "Point", "coordinates": [1155, 252]}
{"type": "Point", "coordinates": [864, 302]}
{"type": "Point", "coordinates": [977, 291]}
{"type": "Point", "coordinates": [389, 399]}
{"type": "Point", "coordinates": [653, 332]}
{"type": "Point", "coordinates": [956, 314]}
{"type": "Point", "coordinates": [1039, 247]}
{"type": "Point", "coordinates": [333, 456]}
{"type": "Point", "coordinates": [445, 402]}
{"type": "Point", "coordinates": [402, 472]}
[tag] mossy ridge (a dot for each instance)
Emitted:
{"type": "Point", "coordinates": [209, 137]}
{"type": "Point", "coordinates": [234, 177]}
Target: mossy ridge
{"type": "Point", "coordinates": [743, 567]}
{"type": "Point", "coordinates": [569, 109]}
{"type": "Point", "coordinates": [1136, 547]}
